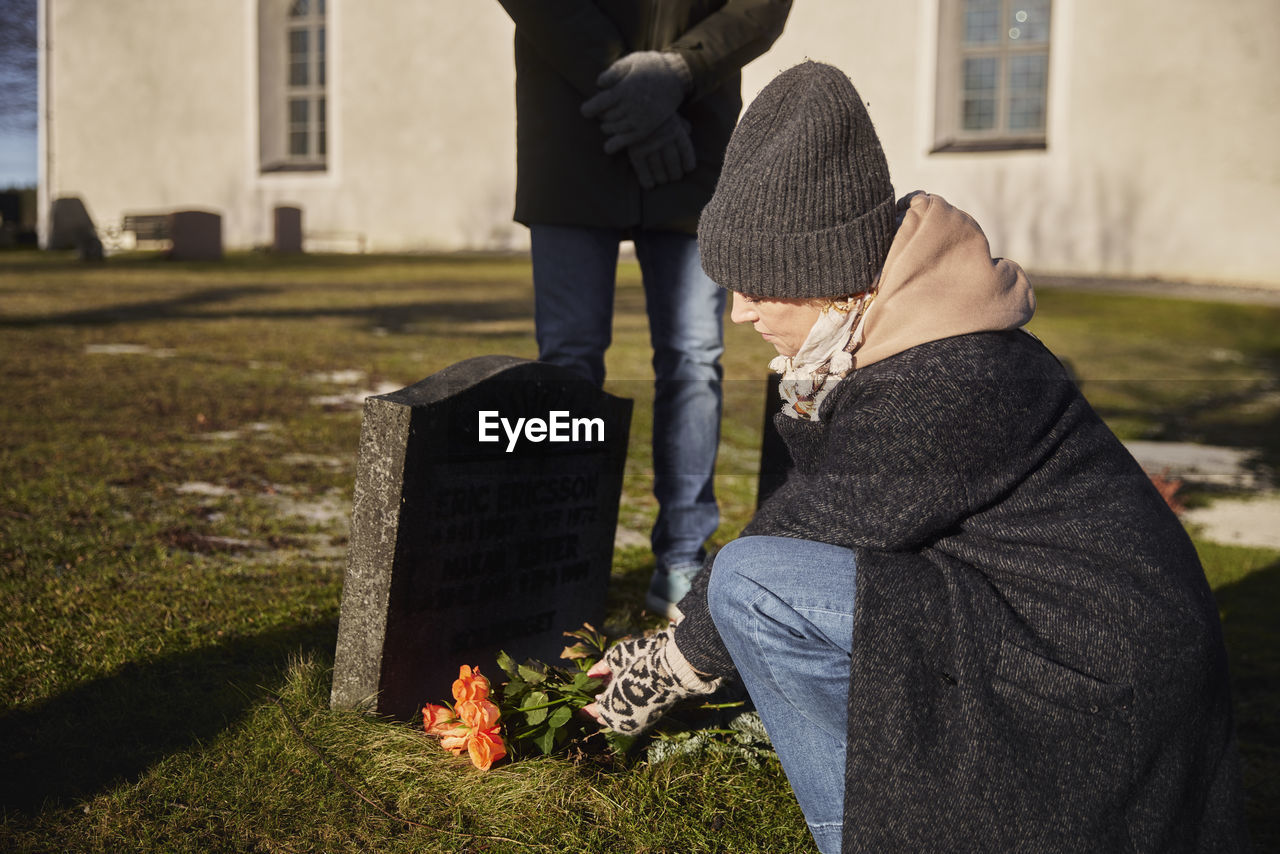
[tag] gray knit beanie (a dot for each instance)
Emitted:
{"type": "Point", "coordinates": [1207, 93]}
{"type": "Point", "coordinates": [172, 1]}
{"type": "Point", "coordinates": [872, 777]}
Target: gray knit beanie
{"type": "Point", "coordinates": [804, 207]}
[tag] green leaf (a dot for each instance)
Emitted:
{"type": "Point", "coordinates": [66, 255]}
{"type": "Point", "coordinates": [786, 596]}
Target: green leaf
{"type": "Point", "coordinates": [531, 674]}
{"type": "Point", "coordinates": [584, 683]}
{"type": "Point", "coordinates": [560, 717]}
{"type": "Point", "coordinates": [507, 663]}
{"type": "Point", "coordinates": [512, 694]}
{"type": "Point", "coordinates": [546, 741]}
{"type": "Point", "coordinates": [618, 742]}
{"type": "Point", "coordinates": [536, 702]}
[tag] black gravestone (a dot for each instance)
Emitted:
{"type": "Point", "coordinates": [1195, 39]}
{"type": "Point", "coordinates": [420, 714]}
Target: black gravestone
{"type": "Point", "coordinates": [286, 230]}
{"type": "Point", "coordinates": [71, 227]}
{"type": "Point", "coordinates": [473, 531]}
{"type": "Point", "coordinates": [195, 236]}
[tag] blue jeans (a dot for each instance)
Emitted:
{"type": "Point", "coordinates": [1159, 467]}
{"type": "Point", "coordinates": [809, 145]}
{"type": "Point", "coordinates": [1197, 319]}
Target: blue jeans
{"type": "Point", "coordinates": [784, 608]}
{"type": "Point", "coordinates": [574, 274]}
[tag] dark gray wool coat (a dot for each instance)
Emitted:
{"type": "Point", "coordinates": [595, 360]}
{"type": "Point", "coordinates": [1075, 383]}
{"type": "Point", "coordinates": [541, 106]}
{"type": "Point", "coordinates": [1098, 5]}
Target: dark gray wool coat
{"type": "Point", "coordinates": [1038, 663]}
{"type": "Point", "coordinates": [563, 176]}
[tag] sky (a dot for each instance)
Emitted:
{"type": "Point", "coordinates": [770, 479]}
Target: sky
{"type": "Point", "coordinates": [17, 94]}
{"type": "Point", "coordinates": [17, 158]}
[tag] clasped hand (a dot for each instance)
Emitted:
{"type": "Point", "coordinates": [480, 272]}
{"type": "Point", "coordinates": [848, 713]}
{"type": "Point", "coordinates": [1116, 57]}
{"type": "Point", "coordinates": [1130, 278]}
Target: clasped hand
{"type": "Point", "coordinates": [637, 112]}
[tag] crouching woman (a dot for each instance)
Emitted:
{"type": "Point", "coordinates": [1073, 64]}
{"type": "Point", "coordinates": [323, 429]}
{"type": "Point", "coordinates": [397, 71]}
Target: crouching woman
{"type": "Point", "coordinates": [967, 619]}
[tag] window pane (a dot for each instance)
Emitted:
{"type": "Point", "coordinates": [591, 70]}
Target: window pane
{"type": "Point", "coordinates": [1026, 114]}
{"type": "Point", "coordinates": [1028, 73]}
{"type": "Point", "coordinates": [299, 48]}
{"type": "Point", "coordinates": [979, 95]}
{"type": "Point", "coordinates": [1029, 21]}
{"type": "Point", "coordinates": [299, 128]}
{"type": "Point", "coordinates": [1028, 83]}
{"type": "Point", "coordinates": [320, 56]}
{"type": "Point", "coordinates": [320, 7]}
{"type": "Point", "coordinates": [979, 113]}
{"type": "Point", "coordinates": [980, 75]}
{"type": "Point", "coordinates": [981, 21]}
{"type": "Point", "coordinates": [322, 146]}
{"type": "Point", "coordinates": [299, 9]}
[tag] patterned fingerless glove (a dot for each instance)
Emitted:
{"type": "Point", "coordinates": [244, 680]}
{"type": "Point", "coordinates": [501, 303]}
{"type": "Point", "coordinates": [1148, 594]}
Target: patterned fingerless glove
{"type": "Point", "coordinates": [650, 675]}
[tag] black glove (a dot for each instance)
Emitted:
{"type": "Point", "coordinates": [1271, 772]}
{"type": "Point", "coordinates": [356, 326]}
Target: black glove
{"type": "Point", "coordinates": [650, 675]}
{"type": "Point", "coordinates": [641, 91]}
{"type": "Point", "coordinates": [665, 155]}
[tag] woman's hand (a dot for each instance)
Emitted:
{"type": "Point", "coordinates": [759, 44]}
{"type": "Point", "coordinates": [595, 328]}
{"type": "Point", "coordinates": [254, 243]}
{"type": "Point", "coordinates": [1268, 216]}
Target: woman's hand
{"type": "Point", "coordinates": [599, 670]}
{"type": "Point", "coordinates": [647, 676]}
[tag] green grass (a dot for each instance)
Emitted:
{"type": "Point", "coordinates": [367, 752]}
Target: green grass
{"type": "Point", "coordinates": [172, 532]}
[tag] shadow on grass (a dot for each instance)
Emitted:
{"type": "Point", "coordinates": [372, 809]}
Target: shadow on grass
{"type": "Point", "coordinates": [25, 260]}
{"type": "Point", "coordinates": [112, 729]}
{"type": "Point", "coordinates": [1249, 609]}
{"type": "Point", "coordinates": [393, 318]}
{"type": "Point", "coordinates": [160, 309]}
{"type": "Point", "coordinates": [1251, 421]}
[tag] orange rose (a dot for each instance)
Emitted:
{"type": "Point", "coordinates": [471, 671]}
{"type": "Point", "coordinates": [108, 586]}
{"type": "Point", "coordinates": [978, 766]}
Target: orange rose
{"type": "Point", "coordinates": [470, 685]}
{"type": "Point", "coordinates": [486, 748]}
{"type": "Point", "coordinates": [478, 714]}
{"type": "Point", "coordinates": [472, 725]}
{"type": "Point", "coordinates": [436, 719]}
{"type": "Point", "coordinates": [455, 740]}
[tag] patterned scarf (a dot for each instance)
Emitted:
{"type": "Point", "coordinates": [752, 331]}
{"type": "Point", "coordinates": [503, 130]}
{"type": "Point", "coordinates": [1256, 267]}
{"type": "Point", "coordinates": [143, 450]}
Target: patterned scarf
{"type": "Point", "coordinates": [823, 359]}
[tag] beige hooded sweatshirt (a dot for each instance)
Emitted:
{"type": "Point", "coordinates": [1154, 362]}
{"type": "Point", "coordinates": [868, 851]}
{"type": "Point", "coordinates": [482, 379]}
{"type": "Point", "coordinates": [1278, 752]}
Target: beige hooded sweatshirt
{"type": "Point", "coordinates": [939, 280]}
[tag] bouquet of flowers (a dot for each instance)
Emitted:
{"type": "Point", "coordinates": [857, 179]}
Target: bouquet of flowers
{"type": "Point", "coordinates": [471, 724]}
{"type": "Point", "coordinates": [536, 713]}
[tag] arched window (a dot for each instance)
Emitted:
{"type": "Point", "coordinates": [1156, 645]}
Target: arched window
{"type": "Point", "coordinates": [993, 74]}
{"type": "Point", "coordinates": [292, 81]}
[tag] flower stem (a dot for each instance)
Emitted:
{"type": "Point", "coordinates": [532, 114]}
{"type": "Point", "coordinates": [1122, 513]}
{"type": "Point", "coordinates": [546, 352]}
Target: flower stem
{"type": "Point", "coordinates": [545, 705]}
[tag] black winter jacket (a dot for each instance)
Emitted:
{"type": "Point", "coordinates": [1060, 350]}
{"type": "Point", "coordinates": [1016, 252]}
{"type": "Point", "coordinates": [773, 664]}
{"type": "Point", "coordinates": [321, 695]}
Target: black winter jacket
{"type": "Point", "coordinates": [561, 46]}
{"type": "Point", "coordinates": [1038, 662]}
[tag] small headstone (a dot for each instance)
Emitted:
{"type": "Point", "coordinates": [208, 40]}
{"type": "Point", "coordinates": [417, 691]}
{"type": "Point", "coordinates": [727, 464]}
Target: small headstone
{"type": "Point", "coordinates": [286, 234]}
{"type": "Point", "coordinates": [195, 236]}
{"type": "Point", "coordinates": [90, 249]}
{"type": "Point", "coordinates": [70, 226]}
{"type": "Point", "coordinates": [775, 459]}
{"type": "Point", "coordinates": [483, 519]}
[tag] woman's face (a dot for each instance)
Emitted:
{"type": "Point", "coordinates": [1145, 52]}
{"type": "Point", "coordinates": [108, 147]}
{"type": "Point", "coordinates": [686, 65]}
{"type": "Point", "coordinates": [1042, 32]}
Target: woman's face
{"type": "Point", "coordinates": [784, 323]}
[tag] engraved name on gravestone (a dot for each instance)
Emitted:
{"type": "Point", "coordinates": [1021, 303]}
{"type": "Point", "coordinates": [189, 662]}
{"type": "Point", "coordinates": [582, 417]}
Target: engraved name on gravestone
{"type": "Point", "coordinates": [483, 519]}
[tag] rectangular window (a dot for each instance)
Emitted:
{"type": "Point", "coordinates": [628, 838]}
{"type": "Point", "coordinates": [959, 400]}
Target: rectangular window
{"type": "Point", "coordinates": [299, 57]}
{"type": "Point", "coordinates": [292, 83]}
{"type": "Point", "coordinates": [306, 90]}
{"type": "Point", "coordinates": [993, 74]}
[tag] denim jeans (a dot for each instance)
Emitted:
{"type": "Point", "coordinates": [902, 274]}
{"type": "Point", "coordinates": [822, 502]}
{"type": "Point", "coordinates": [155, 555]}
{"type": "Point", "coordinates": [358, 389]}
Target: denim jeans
{"type": "Point", "coordinates": [784, 608]}
{"type": "Point", "coordinates": [574, 274]}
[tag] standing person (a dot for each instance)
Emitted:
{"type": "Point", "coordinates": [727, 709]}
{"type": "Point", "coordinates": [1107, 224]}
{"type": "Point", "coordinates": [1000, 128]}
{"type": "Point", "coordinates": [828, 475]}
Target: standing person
{"type": "Point", "coordinates": [623, 111]}
{"type": "Point", "coordinates": [967, 619]}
